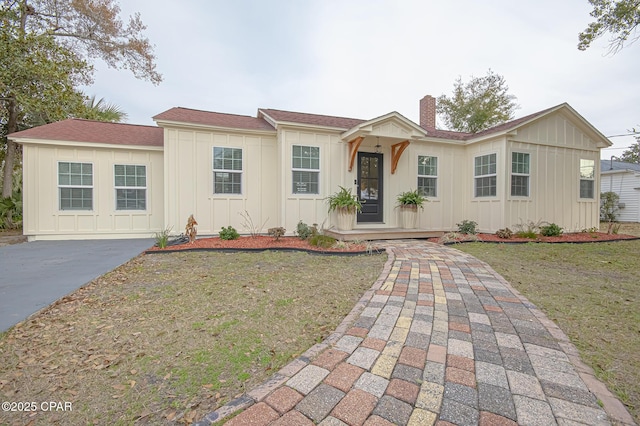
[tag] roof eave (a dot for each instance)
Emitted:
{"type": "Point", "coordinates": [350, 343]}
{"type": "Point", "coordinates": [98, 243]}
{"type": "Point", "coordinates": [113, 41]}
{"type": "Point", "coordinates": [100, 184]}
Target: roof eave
{"type": "Point", "coordinates": [36, 141]}
{"type": "Point", "coordinates": [170, 123]}
{"type": "Point", "coordinates": [365, 128]}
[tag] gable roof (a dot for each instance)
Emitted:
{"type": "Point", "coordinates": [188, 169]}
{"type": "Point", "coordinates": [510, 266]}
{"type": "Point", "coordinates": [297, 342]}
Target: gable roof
{"type": "Point", "coordinates": [216, 119]}
{"type": "Point", "coordinates": [618, 166]}
{"type": "Point", "coordinates": [311, 119]}
{"type": "Point", "coordinates": [80, 130]}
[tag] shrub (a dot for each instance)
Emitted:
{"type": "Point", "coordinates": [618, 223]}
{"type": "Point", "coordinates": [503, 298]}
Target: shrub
{"type": "Point", "coordinates": [551, 230]}
{"type": "Point", "coordinates": [527, 229]}
{"type": "Point", "coordinates": [609, 206]}
{"type": "Point", "coordinates": [467, 227]}
{"type": "Point", "coordinates": [505, 233]}
{"type": "Point", "coordinates": [323, 241]}
{"type": "Point", "coordinates": [304, 231]}
{"type": "Point", "coordinates": [276, 232]}
{"type": "Point", "coordinates": [229, 233]}
{"type": "Point", "coordinates": [162, 237]}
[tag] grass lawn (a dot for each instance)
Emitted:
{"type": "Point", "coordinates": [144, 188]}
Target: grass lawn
{"type": "Point", "coordinates": [170, 337]}
{"type": "Point", "coordinates": [592, 291]}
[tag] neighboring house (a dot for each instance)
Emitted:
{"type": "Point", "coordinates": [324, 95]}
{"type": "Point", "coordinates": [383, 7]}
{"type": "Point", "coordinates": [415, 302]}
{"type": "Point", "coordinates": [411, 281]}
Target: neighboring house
{"type": "Point", "coordinates": [623, 179]}
{"type": "Point", "coordinates": [84, 179]}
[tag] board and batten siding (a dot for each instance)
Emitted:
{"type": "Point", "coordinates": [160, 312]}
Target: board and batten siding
{"type": "Point", "coordinates": [189, 188]}
{"type": "Point", "coordinates": [556, 145]}
{"type": "Point", "coordinates": [310, 208]}
{"type": "Point", "coordinates": [43, 219]}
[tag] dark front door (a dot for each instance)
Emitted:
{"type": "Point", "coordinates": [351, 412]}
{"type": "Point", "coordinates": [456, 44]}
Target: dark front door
{"type": "Point", "coordinates": [370, 186]}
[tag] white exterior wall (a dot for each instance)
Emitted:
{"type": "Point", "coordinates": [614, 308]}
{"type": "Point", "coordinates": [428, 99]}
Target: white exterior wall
{"type": "Point", "coordinates": [188, 184]}
{"type": "Point", "coordinates": [440, 213]}
{"type": "Point", "coordinates": [556, 145]}
{"type": "Point", "coordinates": [43, 220]}
{"type": "Point", "coordinates": [311, 208]}
{"type": "Point", "coordinates": [627, 185]}
{"type": "Point", "coordinates": [488, 212]}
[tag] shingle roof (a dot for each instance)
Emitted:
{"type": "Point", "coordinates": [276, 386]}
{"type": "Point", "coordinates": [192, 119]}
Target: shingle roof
{"type": "Point", "coordinates": [312, 119]}
{"type": "Point", "coordinates": [79, 130]}
{"type": "Point", "coordinates": [510, 124]}
{"type": "Point", "coordinates": [233, 121]}
{"type": "Point", "coordinates": [608, 165]}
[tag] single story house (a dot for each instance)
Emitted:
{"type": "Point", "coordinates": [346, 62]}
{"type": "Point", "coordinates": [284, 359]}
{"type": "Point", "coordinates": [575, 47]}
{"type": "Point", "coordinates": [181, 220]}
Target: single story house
{"type": "Point", "coordinates": [87, 179]}
{"type": "Point", "coordinates": [623, 179]}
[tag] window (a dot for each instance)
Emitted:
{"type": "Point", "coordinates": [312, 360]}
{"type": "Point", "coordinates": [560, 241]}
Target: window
{"type": "Point", "coordinates": [587, 178]}
{"type": "Point", "coordinates": [75, 186]}
{"type": "Point", "coordinates": [428, 176]}
{"type": "Point", "coordinates": [227, 170]}
{"type": "Point", "coordinates": [485, 176]}
{"type": "Point", "coordinates": [520, 174]}
{"type": "Point", "coordinates": [131, 187]}
{"type": "Point", "coordinates": [305, 169]}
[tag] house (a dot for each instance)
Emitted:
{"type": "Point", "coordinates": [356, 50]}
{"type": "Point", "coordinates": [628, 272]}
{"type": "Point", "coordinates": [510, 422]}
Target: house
{"type": "Point", "coordinates": [85, 179]}
{"type": "Point", "coordinates": [623, 179]}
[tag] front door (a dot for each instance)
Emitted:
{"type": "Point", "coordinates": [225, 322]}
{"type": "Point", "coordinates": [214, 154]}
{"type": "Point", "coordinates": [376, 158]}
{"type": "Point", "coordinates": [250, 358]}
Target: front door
{"type": "Point", "coordinates": [370, 186]}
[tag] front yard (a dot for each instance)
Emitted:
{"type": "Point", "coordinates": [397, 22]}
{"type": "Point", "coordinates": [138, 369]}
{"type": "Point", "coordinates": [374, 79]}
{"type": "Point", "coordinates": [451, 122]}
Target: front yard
{"type": "Point", "coordinates": [169, 337]}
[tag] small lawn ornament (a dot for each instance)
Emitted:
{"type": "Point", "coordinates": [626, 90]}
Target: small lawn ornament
{"type": "Point", "coordinates": [191, 231]}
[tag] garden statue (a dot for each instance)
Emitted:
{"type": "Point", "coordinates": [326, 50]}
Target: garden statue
{"type": "Point", "coordinates": [191, 231]}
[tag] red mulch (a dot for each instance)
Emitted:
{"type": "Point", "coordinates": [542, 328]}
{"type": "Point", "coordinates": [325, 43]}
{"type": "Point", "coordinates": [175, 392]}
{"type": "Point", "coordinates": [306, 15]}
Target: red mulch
{"type": "Point", "coordinates": [576, 237]}
{"type": "Point", "coordinates": [260, 242]}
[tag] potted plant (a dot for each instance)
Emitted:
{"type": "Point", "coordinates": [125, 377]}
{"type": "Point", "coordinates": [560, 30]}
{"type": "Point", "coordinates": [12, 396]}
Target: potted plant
{"type": "Point", "coordinates": [346, 205]}
{"type": "Point", "coordinates": [408, 202]}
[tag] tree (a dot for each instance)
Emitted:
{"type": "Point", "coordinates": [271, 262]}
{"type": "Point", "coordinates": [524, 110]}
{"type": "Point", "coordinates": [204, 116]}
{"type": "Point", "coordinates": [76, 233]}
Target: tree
{"type": "Point", "coordinates": [619, 18]}
{"type": "Point", "coordinates": [102, 111]}
{"type": "Point", "coordinates": [479, 104]}
{"type": "Point", "coordinates": [632, 155]}
{"type": "Point", "coordinates": [74, 30]}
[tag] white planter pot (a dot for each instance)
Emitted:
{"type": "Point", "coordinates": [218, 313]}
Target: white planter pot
{"type": "Point", "coordinates": [408, 216]}
{"type": "Point", "coordinates": [346, 219]}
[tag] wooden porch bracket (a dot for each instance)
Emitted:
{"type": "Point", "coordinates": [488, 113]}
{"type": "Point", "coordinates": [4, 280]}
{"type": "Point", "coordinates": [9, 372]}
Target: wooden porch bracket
{"type": "Point", "coordinates": [353, 150]}
{"type": "Point", "coordinates": [396, 151]}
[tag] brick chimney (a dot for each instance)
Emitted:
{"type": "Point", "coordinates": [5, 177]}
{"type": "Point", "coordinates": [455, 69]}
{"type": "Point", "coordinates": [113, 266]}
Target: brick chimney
{"type": "Point", "coordinates": [428, 112]}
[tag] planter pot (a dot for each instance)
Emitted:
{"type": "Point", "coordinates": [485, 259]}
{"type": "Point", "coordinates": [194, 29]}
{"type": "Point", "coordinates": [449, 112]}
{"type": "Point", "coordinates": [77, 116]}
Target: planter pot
{"type": "Point", "coordinates": [408, 216]}
{"type": "Point", "coordinates": [346, 219]}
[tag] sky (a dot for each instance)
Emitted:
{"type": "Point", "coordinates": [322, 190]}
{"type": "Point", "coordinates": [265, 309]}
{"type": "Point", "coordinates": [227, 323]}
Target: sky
{"type": "Point", "coordinates": [365, 58]}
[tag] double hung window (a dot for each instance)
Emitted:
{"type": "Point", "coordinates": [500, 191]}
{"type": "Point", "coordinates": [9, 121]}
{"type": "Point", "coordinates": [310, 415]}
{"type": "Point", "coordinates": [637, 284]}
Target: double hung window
{"type": "Point", "coordinates": [75, 186]}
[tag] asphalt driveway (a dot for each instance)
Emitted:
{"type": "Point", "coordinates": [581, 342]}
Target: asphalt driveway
{"type": "Point", "coordinates": [33, 275]}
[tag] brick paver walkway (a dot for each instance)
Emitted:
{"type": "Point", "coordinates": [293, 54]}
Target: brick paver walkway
{"type": "Point", "coordinates": [439, 339]}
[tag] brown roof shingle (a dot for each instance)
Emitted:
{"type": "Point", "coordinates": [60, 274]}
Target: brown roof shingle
{"type": "Point", "coordinates": [312, 119]}
{"type": "Point", "coordinates": [232, 121]}
{"type": "Point", "coordinates": [79, 130]}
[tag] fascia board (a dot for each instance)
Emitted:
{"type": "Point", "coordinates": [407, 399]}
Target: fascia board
{"type": "Point", "coordinates": [196, 126]}
{"type": "Point", "coordinates": [32, 141]}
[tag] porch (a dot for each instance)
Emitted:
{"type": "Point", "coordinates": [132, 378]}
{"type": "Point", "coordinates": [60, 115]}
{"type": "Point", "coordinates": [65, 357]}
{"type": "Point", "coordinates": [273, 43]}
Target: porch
{"type": "Point", "coordinates": [367, 234]}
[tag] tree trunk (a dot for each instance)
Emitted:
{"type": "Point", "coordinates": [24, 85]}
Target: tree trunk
{"type": "Point", "coordinates": [10, 157]}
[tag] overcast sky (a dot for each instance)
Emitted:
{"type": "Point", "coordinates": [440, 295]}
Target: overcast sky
{"type": "Point", "coordinates": [365, 58]}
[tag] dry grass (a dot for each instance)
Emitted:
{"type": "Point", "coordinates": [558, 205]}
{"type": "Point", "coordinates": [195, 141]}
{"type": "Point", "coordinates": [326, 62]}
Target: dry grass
{"type": "Point", "coordinates": [592, 291]}
{"type": "Point", "coordinates": [167, 338]}
{"type": "Point", "coordinates": [625, 228]}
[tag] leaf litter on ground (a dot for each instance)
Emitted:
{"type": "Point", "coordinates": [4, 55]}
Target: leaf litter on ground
{"type": "Point", "coordinates": [170, 337]}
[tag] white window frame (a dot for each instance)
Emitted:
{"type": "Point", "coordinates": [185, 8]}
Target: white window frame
{"type": "Point", "coordinates": [526, 175]}
{"type": "Point", "coordinates": [75, 186]}
{"type": "Point", "coordinates": [490, 174]}
{"type": "Point", "coordinates": [230, 171]}
{"type": "Point", "coordinates": [426, 176]}
{"type": "Point", "coordinates": [129, 187]}
{"type": "Point", "coordinates": [587, 178]}
{"type": "Point", "coordinates": [306, 170]}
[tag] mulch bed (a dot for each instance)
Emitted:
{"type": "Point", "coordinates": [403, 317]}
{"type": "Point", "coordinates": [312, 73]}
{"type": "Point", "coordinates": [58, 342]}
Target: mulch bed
{"type": "Point", "coordinates": [260, 243]}
{"type": "Point", "coordinates": [575, 237]}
